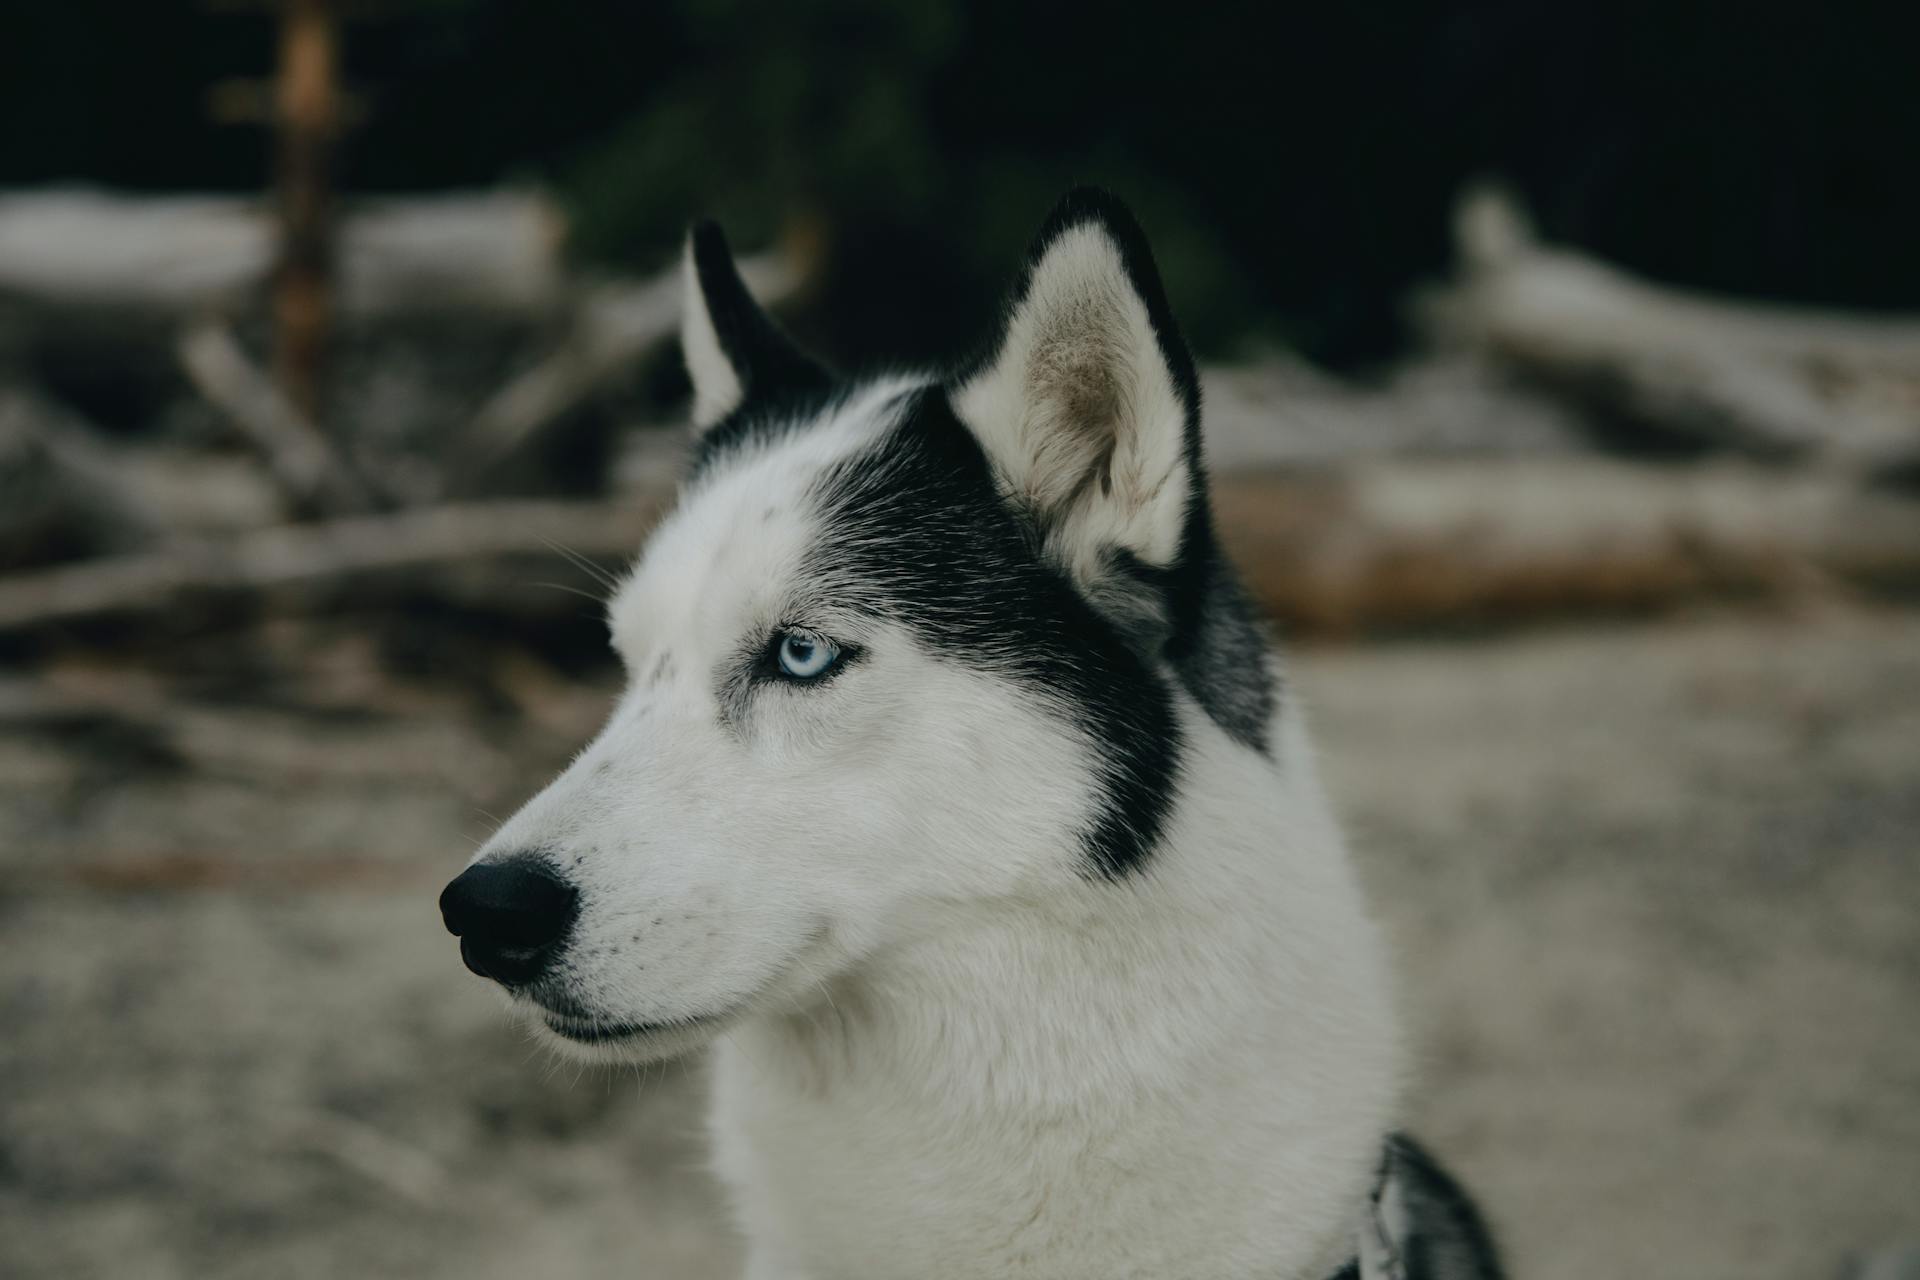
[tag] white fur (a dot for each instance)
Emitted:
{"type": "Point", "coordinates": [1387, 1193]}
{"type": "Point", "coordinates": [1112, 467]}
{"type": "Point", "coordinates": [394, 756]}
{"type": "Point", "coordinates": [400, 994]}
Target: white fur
{"type": "Point", "coordinates": [941, 1048]}
{"type": "Point", "coordinates": [1186, 1076]}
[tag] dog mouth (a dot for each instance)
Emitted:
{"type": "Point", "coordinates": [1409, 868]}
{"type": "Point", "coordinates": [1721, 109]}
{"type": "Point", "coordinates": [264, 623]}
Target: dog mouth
{"type": "Point", "coordinates": [579, 1023]}
{"type": "Point", "coordinates": [601, 1031]}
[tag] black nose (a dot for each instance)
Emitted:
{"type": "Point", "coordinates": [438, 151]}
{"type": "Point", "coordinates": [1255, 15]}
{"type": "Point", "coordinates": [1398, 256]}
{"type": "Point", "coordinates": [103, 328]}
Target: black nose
{"type": "Point", "coordinates": [510, 917]}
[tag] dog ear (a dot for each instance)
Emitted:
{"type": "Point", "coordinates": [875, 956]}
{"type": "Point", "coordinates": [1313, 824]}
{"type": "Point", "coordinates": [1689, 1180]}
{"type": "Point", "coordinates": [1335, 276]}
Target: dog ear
{"type": "Point", "coordinates": [1088, 405]}
{"type": "Point", "coordinates": [733, 349]}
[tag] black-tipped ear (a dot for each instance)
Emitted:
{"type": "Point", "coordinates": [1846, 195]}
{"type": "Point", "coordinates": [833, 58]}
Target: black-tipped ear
{"type": "Point", "coordinates": [734, 350]}
{"type": "Point", "coordinates": [1088, 405]}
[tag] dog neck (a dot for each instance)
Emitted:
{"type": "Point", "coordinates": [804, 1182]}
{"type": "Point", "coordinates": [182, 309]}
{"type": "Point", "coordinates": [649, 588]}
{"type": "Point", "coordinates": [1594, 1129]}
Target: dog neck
{"type": "Point", "coordinates": [1185, 1072]}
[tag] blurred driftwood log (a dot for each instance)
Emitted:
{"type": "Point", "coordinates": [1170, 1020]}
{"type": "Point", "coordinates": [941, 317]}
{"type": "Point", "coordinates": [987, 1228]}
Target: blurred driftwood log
{"type": "Point", "coordinates": [1389, 545]}
{"type": "Point", "coordinates": [1679, 368]}
{"type": "Point", "coordinates": [1381, 546]}
{"type": "Point", "coordinates": [59, 482]}
{"type": "Point", "coordinates": [171, 258]}
{"type": "Point", "coordinates": [295, 451]}
{"type": "Point", "coordinates": [180, 280]}
{"type": "Point", "coordinates": [1464, 486]}
{"type": "Point", "coordinates": [364, 552]}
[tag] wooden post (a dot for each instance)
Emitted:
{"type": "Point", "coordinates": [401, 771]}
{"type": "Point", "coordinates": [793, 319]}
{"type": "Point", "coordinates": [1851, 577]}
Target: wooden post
{"type": "Point", "coordinates": [307, 102]}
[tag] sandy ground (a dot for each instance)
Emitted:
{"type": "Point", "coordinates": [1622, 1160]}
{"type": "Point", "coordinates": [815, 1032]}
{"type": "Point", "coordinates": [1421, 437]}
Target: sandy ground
{"type": "Point", "coordinates": [1654, 891]}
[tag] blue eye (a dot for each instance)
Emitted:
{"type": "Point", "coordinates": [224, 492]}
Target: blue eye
{"type": "Point", "coordinates": [805, 656]}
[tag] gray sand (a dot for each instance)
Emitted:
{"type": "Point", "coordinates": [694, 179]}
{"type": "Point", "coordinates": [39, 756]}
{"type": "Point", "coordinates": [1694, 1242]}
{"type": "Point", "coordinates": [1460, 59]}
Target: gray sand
{"type": "Point", "coordinates": [1653, 889]}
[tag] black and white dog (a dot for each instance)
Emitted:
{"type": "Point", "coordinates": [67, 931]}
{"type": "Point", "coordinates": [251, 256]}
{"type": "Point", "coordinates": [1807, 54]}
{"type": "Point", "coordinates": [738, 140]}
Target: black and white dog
{"type": "Point", "coordinates": [955, 798]}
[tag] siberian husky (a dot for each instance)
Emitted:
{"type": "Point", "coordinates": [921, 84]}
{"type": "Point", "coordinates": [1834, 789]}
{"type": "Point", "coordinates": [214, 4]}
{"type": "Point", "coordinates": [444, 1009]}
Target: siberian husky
{"type": "Point", "coordinates": [957, 800]}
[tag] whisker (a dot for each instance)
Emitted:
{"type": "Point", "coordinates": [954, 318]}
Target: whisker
{"type": "Point", "coordinates": [605, 577]}
{"type": "Point", "coordinates": [572, 591]}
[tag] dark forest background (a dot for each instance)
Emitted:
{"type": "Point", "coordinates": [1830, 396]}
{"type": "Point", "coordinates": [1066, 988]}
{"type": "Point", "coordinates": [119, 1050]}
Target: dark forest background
{"type": "Point", "coordinates": [1296, 163]}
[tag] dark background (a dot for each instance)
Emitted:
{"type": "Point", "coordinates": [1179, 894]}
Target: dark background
{"type": "Point", "coordinates": [1296, 161]}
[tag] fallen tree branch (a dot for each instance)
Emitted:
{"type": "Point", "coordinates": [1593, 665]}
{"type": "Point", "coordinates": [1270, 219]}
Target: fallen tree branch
{"type": "Point", "coordinates": [617, 325]}
{"type": "Point", "coordinates": [299, 456]}
{"type": "Point", "coordinates": [54, 468]}
{"type": "Point", "coordinates": [1679, 366]}
{"type": "Point", "coordinates": [1395, 546]}
{"type": "Point", "coordinates": [333, 551]}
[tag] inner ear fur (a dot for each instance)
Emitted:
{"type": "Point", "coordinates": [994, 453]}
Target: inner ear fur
{"type": "Point", "coordinates": [1087, 403]}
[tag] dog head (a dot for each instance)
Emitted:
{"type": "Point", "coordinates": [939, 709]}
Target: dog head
{"type": "Point", "coordinates": [905, 644]}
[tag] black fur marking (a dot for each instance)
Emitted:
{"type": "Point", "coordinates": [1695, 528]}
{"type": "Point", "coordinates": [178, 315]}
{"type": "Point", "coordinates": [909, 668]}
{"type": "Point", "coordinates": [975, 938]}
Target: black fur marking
{"type": "Point", "coordinates": [1224, 659]}
{"type": "Point", "coordinates": [917, 525]}
{"type": "Point", "coordinates": [1447, 1238]}
{"type": "Point", "coordinates": [1210, 632]}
